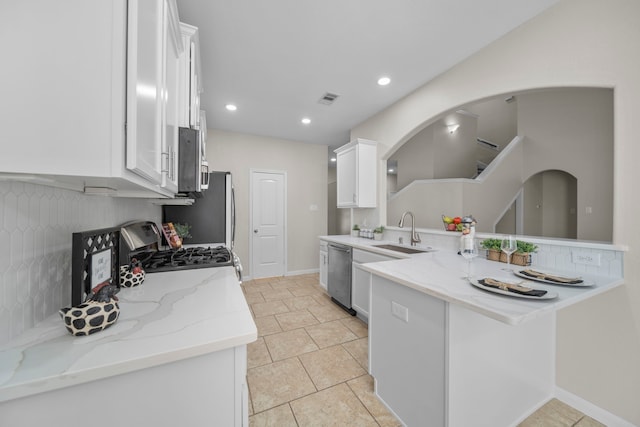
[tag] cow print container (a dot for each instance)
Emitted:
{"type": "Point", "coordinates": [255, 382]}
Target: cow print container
{"type": "Point", "coordinates": [98, 312]}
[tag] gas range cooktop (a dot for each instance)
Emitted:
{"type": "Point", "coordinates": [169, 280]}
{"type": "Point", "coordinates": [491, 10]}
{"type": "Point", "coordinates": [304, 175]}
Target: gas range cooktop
{"type": "Point", "coordinates": [185, 259]}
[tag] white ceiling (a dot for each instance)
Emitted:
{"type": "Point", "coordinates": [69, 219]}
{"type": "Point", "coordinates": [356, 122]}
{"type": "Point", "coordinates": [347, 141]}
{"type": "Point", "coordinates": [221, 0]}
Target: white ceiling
{"type": "Point", "coordinates": [275, 59]}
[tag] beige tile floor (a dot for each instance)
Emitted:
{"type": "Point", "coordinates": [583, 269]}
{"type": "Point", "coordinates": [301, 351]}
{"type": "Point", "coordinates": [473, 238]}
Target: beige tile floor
{"type": "Point", "coordinates": [309, 364]}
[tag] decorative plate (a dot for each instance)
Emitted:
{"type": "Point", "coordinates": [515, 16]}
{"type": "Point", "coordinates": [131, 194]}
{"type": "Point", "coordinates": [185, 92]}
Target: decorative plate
{"type": "Point", "coordinates": [547, 296]}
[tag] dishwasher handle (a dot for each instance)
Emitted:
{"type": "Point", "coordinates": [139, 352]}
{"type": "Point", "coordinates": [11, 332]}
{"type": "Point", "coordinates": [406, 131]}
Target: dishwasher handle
{"type": "Point", "coordinates": [346, 249]}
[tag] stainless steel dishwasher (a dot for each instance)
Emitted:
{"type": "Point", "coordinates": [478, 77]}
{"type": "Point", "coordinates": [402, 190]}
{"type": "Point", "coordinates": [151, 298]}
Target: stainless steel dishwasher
{"type": "Point", "coordinates": [339, 277]}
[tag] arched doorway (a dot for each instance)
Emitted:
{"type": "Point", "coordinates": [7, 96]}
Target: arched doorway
{"type": "Point", "coordinates": [546, 207]}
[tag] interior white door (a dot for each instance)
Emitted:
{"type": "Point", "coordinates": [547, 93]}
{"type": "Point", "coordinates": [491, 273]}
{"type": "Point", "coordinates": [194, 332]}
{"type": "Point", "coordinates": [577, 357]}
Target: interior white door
{"type": "Point", "coordinates": [268, 224]}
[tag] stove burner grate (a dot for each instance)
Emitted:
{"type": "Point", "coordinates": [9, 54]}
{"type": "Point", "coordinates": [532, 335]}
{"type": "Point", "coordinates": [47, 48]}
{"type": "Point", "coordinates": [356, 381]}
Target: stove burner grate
{"type": "Point", "coordinates": [186, 258]}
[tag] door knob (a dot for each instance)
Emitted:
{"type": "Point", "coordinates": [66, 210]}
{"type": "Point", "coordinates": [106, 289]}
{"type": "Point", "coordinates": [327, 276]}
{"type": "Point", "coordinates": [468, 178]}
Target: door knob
{"type": "Point", "coordinates": [255, 231]}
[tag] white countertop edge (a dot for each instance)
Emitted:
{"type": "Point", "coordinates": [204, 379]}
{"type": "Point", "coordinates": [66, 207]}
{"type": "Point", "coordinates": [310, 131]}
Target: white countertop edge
{"type": "Point", "coordinates": [370, 267]}
{"type": "Point", "coordinates": [549, 305]}
{"type": "Point", "coordinates": [83, 376]}
{"type": "Point", "coordinates": [223, 280]}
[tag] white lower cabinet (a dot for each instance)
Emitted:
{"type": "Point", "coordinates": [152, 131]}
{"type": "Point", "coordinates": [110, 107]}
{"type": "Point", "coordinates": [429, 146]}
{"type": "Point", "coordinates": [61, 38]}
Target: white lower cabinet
{"type": "Point", "coordinates": [324, 263]}
{"type": "Point", "coordinates": [361, 281]}
{"type": "Point", "coordinates": [206, 390]}
{"type": "Point", "coordinates": [439, 364]}
{"type": "Point", "coordinates": [360, 291]}
{"type": "Point", "coordinates": [407, 352]}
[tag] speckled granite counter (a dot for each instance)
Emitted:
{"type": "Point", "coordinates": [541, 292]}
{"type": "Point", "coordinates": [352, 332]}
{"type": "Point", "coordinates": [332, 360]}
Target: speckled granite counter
{"type": "Point", "coordinates": [172, 316]}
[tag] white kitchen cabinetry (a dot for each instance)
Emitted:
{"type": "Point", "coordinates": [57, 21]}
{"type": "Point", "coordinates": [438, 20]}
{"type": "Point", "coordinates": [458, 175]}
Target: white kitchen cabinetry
{"type": "Point", "coordinates": [356, 174]}
{"type": "Point", "coordinates": [190, 78]}
{"type": "Point", "coordinates": [361, 281]}
{"type": "Point", "coordinates": [178, 352]}
{"type": "Point", "coordinates": [170, 125]}
{"type": "Point", "coordinates": [407, 330]}
{"type": "Point", "coordinates": [205, 390]}
{"type": "Point", "coordinates": [144, 99]}
{"type": "Point", "coordinates": [438, 361]}
{"type": "Point", "coordinates": [91, 113]}
{"type": "Point", "coordinates": [324, 263]}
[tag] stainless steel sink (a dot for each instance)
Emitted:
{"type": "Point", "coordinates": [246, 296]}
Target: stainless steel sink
{"type": "Point", "coordinates": [403, 249]}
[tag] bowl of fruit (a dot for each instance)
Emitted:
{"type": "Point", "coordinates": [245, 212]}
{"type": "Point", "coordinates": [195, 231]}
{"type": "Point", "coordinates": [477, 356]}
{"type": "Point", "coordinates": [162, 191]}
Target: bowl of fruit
{"type": "Point", "coordinates": [452, 223]}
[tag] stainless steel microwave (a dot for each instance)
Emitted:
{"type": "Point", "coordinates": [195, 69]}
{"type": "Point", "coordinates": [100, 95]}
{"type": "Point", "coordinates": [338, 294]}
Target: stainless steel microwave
{"type": "Point", "coordinates": [193, 168]}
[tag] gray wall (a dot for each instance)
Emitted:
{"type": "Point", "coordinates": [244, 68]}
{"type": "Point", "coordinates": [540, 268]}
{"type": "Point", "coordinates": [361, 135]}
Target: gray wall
{"type": "Point", "coordinates": [434, 153]}
{"type": "Point", "coordinates": [572, 130]}
{"type": "Point", "coordinates": [339, 219]}
{"type": "Point", "coordinates": [306, 167]}
{"type": "Point", "coordinates": [550, 199]}
{"type": "Point", "coordinates": [567, 129]}
{"type": "Point", "coordinates": [575, 43]}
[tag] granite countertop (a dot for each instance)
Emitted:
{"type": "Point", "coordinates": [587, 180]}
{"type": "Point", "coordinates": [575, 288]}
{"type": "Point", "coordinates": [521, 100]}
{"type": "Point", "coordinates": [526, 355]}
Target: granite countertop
{"type": "Point", "coordinates": [170, 317]}
{"type": "Point", "coordinates": [442, 274]}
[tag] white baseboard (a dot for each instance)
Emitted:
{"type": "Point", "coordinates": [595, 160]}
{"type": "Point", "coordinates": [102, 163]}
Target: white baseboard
{"type": "Point", "coordinates": [299, 272]}
{"type": "Point", "coordinates": [288, 273]}
{"type": "Point", "coordinates": [533, 409]}
{"type": "Point", "coordinates": [588, 408]}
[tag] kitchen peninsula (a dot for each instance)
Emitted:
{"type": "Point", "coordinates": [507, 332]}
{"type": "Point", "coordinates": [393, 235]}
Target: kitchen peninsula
{"type": "Point", "coordinates": [176, 356]}
{"type": "Point", "coordinates": [443, 350]}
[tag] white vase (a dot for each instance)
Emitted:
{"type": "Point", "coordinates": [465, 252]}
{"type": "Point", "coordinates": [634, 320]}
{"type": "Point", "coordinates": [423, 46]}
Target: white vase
{"type": "Point", "coordinates": [355, 233]}
{"type": "Point", "coordinates": [377, 236]}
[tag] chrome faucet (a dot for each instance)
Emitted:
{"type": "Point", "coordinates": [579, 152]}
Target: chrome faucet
{"type": "Point", "coordinates": [415, 237]}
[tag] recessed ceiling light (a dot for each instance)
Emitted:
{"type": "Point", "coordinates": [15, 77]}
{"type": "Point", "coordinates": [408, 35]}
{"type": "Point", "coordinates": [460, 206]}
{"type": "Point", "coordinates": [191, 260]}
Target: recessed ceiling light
{"type": "Point", "coordinates": [333, 159]}
{"type": "Point", "coordinates": [305, 120]}
{"type": "Point", "coordinates": [390, 170]}
{"type": "Point", "coordinates": [383, 81]}
{"type": "Point", "coordinates": [231, 107]}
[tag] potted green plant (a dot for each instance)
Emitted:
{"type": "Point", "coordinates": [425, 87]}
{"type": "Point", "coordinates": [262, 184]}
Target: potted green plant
{"type": "Point", "coordinates": [182, 230]}
{"type": "Point", "coordinates": [355, 231]}
{"type": "Point", "coordinates": [493, 249]}
{"type": "Point", "coordinates": [377, 232]}
{"type": "Point", "coordinates": [522, 255]}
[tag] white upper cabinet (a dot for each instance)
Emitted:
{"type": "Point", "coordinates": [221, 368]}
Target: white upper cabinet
{"type": "Point", "coordinates": [356, 174]}
{"type": "Point", "coordinates": [190, 78]}
{"type": "Point", "coordinates": [145, 63]}
{"type": "Point", "coordinates": [89, 105]}
{"type": "Point", "coordinates": [171, 123]}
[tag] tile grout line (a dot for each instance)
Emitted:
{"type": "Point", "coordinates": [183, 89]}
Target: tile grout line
{"type": "Point", "coordinates": [293, 413]}
{"type": "Point", "coordinates": [341, 321]}
{"type": "Point", "coordinates": [360, 400]}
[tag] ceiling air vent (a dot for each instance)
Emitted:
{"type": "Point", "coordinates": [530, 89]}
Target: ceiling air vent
{"type": "Point", "coordinates": [328, 98]}
{"type": "Point", "coordinates": [488, 144]}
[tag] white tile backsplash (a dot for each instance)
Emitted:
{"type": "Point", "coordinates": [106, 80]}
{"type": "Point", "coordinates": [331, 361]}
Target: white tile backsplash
{"type": "Point", "coordinates": [36, 225]}
{"type": "Point", "coordinates": [551, 254]}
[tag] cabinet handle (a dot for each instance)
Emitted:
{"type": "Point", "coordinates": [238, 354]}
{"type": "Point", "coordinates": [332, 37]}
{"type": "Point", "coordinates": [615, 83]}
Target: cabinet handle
{"type": "Point", "coordinates": [354, 197]}
{"type": "Point", "coordinates": [172, 168]}
{"type": "Point", "coordinates": [164, 167]}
